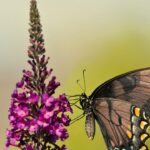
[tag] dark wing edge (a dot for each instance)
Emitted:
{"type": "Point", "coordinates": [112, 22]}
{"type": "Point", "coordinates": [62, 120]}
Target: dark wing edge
{"type": "Point", "coordinates": [117, 77]}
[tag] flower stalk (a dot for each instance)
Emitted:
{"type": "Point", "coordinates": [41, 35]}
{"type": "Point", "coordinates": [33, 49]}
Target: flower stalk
{"type": "Point", "coordinates": [37, 118]}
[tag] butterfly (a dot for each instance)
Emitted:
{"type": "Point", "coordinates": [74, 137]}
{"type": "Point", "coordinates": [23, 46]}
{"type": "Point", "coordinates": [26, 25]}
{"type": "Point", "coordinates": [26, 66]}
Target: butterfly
{"type": "Point", "coordinates": [121, 107]}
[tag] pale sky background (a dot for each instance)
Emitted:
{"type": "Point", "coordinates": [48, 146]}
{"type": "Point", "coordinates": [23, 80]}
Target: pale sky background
{"type": "Point", "coordinates": [107, 37]}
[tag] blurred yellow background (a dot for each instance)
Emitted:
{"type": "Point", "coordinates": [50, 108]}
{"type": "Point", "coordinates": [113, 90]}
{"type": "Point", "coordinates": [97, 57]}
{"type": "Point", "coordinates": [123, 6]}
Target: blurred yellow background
{"type": "Point", "coordinates": [105, 37]}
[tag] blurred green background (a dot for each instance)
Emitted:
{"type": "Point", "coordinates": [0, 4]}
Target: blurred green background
{"type": "Point", "coordinates": [105, 37]}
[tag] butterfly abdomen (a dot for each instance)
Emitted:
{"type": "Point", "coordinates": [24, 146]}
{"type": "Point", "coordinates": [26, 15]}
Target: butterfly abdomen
{"type": "Point", "coordinates": [90, 125]}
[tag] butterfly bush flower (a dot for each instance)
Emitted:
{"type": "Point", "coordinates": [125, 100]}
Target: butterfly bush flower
{"type": "Point", "coordinates": [37, 118]}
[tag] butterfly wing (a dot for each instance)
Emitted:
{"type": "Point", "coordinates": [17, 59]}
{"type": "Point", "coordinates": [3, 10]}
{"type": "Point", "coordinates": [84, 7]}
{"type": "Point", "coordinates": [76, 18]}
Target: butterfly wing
{"type": "Point", "coordinates": [133, 86]}
{"type": "Point", "coordinates": [115, 118]}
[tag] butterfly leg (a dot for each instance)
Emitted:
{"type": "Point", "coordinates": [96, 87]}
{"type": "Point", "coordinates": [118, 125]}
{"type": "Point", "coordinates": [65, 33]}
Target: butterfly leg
{"type": "Point", "coordinates": [77, 118]}
{"type": "Point", "coordinates": [77, 106]}
{"type": "Point", "coordinates": [74, 102]}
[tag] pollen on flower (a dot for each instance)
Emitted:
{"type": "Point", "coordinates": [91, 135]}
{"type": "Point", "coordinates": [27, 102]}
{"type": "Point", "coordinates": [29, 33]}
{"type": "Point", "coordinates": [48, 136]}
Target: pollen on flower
{"type": "Point", "coordinates": [49, 101]}
{"type": "Point", "coordinates": [33, 128]}
{"type": "Point", "coordinates": [58, 132]}
{"type": "Point", "coordinates": [37, 118]}
{"type": "Point", "coordinates": [21, 113]}
{"type": "Point", "coordinates": [49, 114]}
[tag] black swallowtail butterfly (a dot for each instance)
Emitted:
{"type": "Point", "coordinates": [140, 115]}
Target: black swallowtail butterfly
{"type": "Point", "coordinates": [121, 107]}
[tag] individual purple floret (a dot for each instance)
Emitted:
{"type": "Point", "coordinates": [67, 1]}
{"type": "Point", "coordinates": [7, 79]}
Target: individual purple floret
{"type": "Point", "coordinates": [37, 118]}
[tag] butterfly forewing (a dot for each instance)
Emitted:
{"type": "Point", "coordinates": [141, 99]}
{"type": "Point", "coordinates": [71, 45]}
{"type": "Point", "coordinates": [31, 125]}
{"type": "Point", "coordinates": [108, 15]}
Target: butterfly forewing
{"type": "Point", "coordinates": [133, 86]}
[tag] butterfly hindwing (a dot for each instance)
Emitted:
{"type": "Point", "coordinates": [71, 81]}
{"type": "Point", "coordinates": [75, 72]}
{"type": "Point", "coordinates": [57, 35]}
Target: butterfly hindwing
{"type": "Point", "coordinates": [113, 116]}
{"type": "Point", "coordinates": [117, 120]}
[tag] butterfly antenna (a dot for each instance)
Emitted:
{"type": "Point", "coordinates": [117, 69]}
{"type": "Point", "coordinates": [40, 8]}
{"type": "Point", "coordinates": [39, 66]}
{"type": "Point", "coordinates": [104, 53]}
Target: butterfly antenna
{"type": "Point", "coordinates": [80, 85]}
{"type": "Point", "coordinates": [84, 80]}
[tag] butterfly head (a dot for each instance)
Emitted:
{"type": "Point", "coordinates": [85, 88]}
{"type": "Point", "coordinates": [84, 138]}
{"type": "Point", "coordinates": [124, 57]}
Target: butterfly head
{"type": "Point", "coordinates": [85, 102]}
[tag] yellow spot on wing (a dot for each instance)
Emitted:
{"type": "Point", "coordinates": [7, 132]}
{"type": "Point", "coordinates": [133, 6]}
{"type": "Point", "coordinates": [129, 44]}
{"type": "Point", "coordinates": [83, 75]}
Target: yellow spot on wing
{"type": "Point", "coordinates": [129, 134]}
{"type": "Point", "coordinates": [137, 111]}
{"type": "Point", "coordinates": [143, 136]}
{"type": "Point", "coordinates": [142, 124]}
{"type": "Point", "coordinates": [143, 148]}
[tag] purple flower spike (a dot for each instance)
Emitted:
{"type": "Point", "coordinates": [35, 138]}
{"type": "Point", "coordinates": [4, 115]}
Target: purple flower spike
{"type": "Point", "coordinates": [38, 119]}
